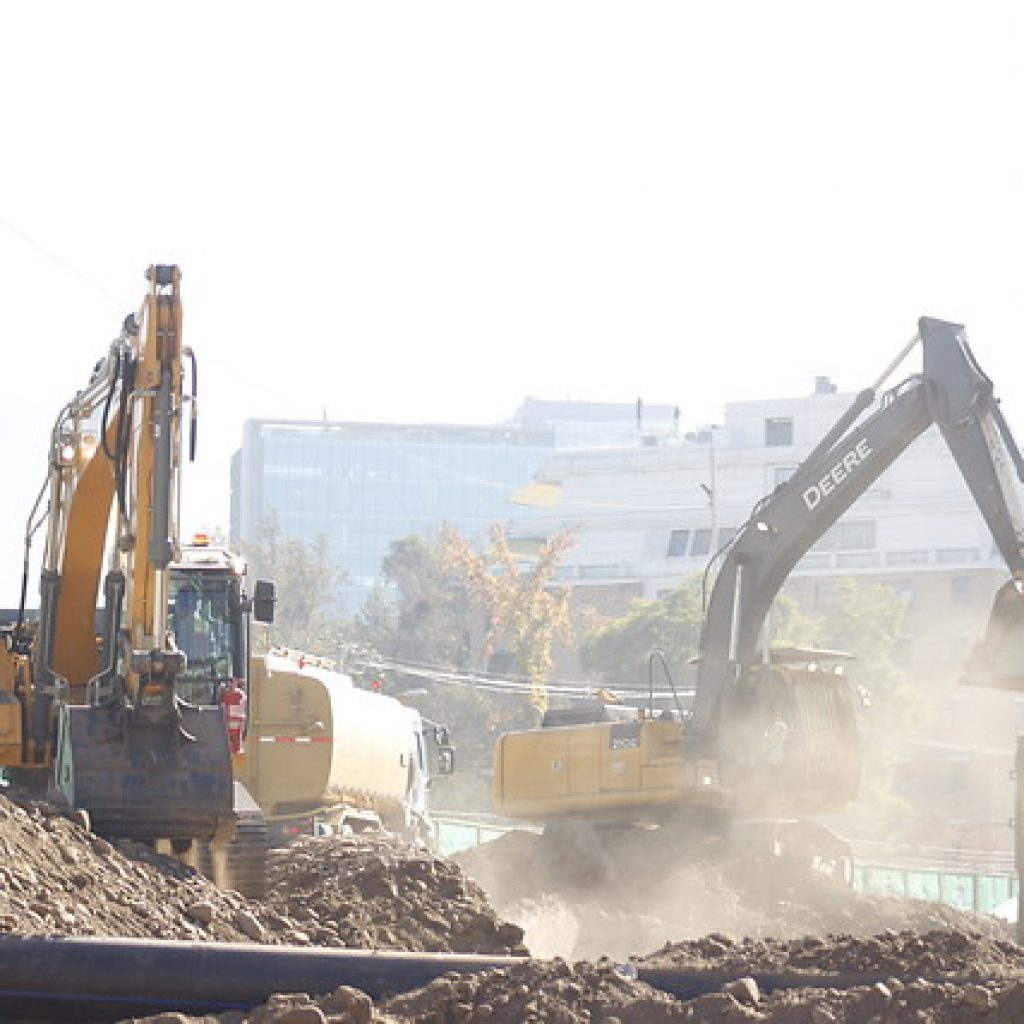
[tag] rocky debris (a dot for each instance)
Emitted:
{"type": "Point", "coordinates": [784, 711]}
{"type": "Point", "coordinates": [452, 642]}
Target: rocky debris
{"type": "Point", "coordinates": [57, 878]}
{"type": "Point", "coordinates": [344, 1005]}
{"type": "Point", "coordinates": [374, 891]}
{"type": "Point", "coordinates": [893, 1002]}
{"type": "Point", "coordinates": [537, 991]}
{"type": "Point", "coordinates": [904, 954]}
{"type": "Point", "coordinates": [369, 892]}
{"type": "Point", "coordinates": [598, 993]}
{"type": "Point", "coordinates": [532, 991]}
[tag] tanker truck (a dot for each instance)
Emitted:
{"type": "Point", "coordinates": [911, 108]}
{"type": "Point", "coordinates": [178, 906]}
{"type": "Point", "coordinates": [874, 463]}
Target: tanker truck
{"type": "Point", "coordinates": [323, 757]}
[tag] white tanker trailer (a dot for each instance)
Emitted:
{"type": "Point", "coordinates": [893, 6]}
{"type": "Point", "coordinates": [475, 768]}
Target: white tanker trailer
{"type": "Point", "coordinates": [323, 756]}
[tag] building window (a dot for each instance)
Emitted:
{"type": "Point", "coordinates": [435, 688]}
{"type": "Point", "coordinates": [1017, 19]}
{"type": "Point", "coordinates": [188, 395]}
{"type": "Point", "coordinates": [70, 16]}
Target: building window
{"type": "Point", "coordinates": [906, 557]}
{"type": "Point", "coordinates": [956, 556]}
{"type": "Point", "coordinates": [678, 540]}
{"type": "Point", "coordinates": [701, 542]}
{"type": "Point", "coordinates": [600, 572]}
{"type": "Point", "coordinates": [960, 589]}
{"type": "Point", "coordinates": [857, 560]}
{"type": "Point", "coordinates": [780, 474]}
{"type": "Point", "coordinates": [778, 431]}
{"type": "Point", "coordinates": [725, 534]}
{"type": "Point", "coordinates": [856, 535]}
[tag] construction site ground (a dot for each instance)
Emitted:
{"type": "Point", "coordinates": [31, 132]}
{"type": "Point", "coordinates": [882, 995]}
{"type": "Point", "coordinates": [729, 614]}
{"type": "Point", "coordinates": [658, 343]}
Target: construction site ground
{"type": "Point", "coordinates": [846, 957]}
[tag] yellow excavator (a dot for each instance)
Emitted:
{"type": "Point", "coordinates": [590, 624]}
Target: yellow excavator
{"type": "Point", "coordinates": [774, 732]}
{"type": "Point", "coordinates": [90, 707]}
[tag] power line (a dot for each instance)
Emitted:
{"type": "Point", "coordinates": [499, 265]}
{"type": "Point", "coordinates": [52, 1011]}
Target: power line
{"type": "Point", "coordinates": [69, 268]}
{"type": "Point", "coordinates": [501, 684]}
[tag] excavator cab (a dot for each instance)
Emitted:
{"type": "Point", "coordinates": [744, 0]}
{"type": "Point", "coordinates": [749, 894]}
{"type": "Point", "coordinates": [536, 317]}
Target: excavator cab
{"type": "Point", "coordinates": [787, 739]}
{"type": "Point", "coordinates": [997, 660]}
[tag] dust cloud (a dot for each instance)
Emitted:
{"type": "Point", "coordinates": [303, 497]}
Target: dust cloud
{"type": "Point", "coordinates": [653, 889]}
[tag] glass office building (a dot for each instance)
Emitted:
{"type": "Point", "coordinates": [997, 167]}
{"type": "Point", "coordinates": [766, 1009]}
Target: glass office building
{"type": "Point", "coordinates": [363, 485]}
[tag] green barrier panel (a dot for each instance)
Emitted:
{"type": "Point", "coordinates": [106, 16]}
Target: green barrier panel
{"type": "Point", "coordinates": [454, 836]}
{"type": "Point", "coordinates": [924, 885]}
{"type": "Point", "coordinates": [992, 890]}
{"type": "Point", "coordinates": [957, 890]}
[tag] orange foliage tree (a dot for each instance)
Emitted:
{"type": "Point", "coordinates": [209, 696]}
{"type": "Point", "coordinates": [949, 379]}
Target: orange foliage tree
{"type": "Point", "coordinates": [524, 607]}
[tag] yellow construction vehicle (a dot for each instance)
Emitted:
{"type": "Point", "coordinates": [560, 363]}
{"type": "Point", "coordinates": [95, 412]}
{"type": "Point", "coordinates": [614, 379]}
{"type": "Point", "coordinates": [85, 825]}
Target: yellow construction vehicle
{"type": "Point", "coordinates": [90, 706]}
{"type": "Point", "coordinates": [773, 732]}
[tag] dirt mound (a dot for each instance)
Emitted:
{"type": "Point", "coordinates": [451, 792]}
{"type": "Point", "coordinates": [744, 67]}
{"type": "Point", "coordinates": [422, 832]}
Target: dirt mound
{"type": "Point", "coordinates": [374, 891]}
{"type": "Point", "coordinates": [539, 991]}
{"type": "Point", "coordinates": [531, 991]}
{"type": "Point", "coordinates": [889, 1002]}
{"type": "Point", "coordinates": [600, 993]}
{"type": "Point", "coordinates": [897, 954]}
{"type": "Point", "coordinates": [57, 878]}
{"type": "Point", "coordinates": [368, 892]}
{"type": "Point", "coordinates": [669, 895]}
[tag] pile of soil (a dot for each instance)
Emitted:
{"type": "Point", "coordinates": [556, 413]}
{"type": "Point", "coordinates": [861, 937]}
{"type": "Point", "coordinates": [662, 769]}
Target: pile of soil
{"type": "Point", "coordinates": [904, 954]}
{"type": "Point", "coordinates": [600, 993]}
{"type": "Point", "coordinates": [537, 990]}
{"type": "Point", "coordinates": [57, 878]}
{"type": "Point", "coordinates": [375, 891]}
{"type": "Point", "coordinates": [367, 892]}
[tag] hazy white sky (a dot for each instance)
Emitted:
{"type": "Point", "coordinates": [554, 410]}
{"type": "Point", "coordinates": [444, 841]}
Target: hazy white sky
{"type": "Point", "coordinates": [427, 211]}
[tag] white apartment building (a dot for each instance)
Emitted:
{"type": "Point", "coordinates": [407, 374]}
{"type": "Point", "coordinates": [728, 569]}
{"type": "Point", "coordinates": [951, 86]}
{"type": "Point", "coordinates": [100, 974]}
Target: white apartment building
{"type": "Point", "coordinates": [649, 515]}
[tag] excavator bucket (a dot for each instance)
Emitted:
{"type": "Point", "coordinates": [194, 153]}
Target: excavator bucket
{"type": "Point", "coordinates": [147, 781]}
{"type": "Point", "coordinates": [997, 660]}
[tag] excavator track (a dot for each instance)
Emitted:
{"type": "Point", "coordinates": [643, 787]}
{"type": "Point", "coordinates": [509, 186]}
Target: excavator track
{"type": "Point", "coordinates": [247, 858]}
{"type": "Point", "coordinates": [240, 864]}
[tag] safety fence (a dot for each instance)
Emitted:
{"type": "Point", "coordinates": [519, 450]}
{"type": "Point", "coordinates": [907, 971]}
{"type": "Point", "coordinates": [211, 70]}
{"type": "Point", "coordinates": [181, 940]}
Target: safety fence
{"type": "Point", "coordinates": [965, 890]}
{"type": "Point", "coordinates": [984, 891]}
{"type": "Point", "coordinates": [455, 834]}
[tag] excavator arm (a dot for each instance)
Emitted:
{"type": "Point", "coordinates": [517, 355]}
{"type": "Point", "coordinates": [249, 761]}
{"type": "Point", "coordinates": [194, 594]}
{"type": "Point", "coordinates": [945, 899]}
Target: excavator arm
{"type": "Point", "coordinates": [951, 392]}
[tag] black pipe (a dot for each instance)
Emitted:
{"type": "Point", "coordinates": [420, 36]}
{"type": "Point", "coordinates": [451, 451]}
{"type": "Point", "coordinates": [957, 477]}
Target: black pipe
{"type": "Point", "coordinates": [111, 979]}
{"type": "Point", "coordinates": [99, 979]}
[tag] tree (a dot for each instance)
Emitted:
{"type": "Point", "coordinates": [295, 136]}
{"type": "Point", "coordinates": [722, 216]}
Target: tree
{"type": "Point", "coordinates": [618, 653]}
{"type": "Point", "coordinates": [523, 608]}
{"type": "Point", "coordinates": [306, 613]}
{"type": "Point", "coordinates": [420, 611]}
{"type": "Point", "coordinates": [865, 621]}
{"type": "Point", "coordinates": [435, 610]}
